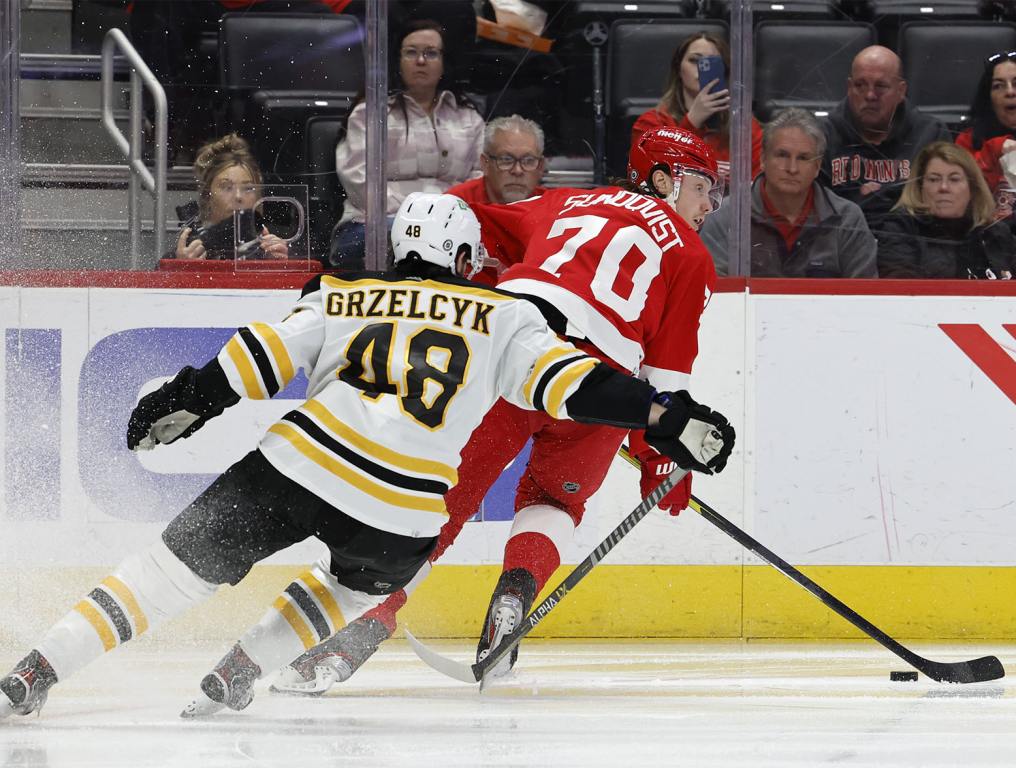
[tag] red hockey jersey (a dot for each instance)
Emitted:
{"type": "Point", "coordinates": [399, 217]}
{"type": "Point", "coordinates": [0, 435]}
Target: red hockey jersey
{"type": "Point", "coordinates": [625, 270]}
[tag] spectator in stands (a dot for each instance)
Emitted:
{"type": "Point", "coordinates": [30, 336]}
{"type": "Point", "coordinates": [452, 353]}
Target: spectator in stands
{"type": "Point", "coordinates": [943, 225]}
{"type": "Point", "coordinates": [993, 118]}
{"type": "Point", "coordinates": [703, 111]}
{"type": "Point", "coordinates": [874, 134]}
{"type": "Point", "coordinates": [512, 164]}
{"type": "Point", "coordinates": [798, 227]}
{"type": "Point", "coordinates": [229, 179]}
{"type": "Point", "coordinates": [435, 137]}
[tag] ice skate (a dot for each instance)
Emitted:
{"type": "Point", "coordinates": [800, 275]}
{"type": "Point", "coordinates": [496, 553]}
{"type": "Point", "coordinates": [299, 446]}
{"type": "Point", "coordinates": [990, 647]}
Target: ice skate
{"type": "Point", "coordinates": [230, 684]}
{"type": "Point", "coordinates": [512, 599]}
{"type": "Point", "coordinates": [25, 689]}
{"type": "Point", "coordinates": [333, 661]}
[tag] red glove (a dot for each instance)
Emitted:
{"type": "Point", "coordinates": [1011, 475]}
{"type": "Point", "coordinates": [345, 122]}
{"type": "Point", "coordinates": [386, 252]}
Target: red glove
{"type": "Point", "coordinates": [655, 467]}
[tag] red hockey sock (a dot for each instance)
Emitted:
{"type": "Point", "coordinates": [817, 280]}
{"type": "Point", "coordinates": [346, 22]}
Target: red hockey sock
{"type": "Point", "coordinates": [385, 613]}
{"type": "Point", "coordinates": [534, 552]}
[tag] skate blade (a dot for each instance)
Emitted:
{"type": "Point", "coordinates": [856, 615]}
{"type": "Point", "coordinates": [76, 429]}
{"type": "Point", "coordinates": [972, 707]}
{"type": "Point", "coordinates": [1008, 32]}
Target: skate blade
{"type": "Point", "coordinates": [202, 706]}
{"type": "Point", "coordinates": [294, 685]}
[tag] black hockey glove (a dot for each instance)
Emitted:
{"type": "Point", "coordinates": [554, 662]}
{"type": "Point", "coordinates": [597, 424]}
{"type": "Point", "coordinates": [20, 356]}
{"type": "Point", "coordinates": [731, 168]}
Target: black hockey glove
{"type": "Point", "coordinates": [694, 436]}
{"type": "Point", "coordinates": [180, 407]}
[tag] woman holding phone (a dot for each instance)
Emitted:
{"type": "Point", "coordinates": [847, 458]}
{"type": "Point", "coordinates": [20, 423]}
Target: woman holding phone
{"type": "Point", "coordinates": [700, 106]}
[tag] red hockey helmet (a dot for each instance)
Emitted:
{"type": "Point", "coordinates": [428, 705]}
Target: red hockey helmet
{"type": "Point", "coordinates": [675, 150]}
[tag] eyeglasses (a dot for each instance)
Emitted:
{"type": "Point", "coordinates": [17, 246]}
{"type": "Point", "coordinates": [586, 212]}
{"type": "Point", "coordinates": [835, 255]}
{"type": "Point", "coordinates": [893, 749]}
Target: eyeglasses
{"type": "Point", "coordinates": [429, 54]}
{"type": "Point", "coordinates": [507, 162]}
{"type": "Point", "coordinates": [229, 188]}
{"type": "Point", "coordinates": [995, 58]}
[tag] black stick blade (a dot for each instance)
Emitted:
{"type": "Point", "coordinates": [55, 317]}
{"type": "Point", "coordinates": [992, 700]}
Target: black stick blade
{"type": "Point", "coordinates": [974, 671]}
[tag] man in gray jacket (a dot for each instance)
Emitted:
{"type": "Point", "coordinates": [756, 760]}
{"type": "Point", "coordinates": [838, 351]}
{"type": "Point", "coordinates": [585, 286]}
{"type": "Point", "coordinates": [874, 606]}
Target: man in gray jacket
{"type": "Point", "coordinates": [798, 227]}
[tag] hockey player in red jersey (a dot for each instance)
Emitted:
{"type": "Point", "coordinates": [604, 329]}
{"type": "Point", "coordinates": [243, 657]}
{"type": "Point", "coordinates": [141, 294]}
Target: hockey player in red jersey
{"type": "Point", "coordinates": [621, 272]}
{"type": "Point", "coordinates": [400, 367]}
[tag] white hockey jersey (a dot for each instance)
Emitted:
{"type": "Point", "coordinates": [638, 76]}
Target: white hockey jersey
{"type": "Point", "coordinates": [400, 371]}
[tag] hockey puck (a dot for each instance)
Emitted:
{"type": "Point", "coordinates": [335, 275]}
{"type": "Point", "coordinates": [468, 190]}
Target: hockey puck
{"type": "Point", "coordinates": [903, 677]}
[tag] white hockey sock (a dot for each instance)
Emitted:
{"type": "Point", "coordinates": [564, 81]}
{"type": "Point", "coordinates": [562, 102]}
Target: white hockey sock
{"type": "Point", "coordinates": [309, 611]}
{"type": "Point", "coordinates": [143, 591]}
{"type": "Point", "coordinates": [553, 522]}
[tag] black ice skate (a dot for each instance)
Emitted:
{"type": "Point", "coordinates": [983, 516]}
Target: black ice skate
{"type": "Point", "coordinates": [512, 599]}
{"type": "Point", "coordinates": [333, 661]}
{"type": "Point", "coordinates": [25, 689]}
{"type": "Point", "coordinates": [230, 684]}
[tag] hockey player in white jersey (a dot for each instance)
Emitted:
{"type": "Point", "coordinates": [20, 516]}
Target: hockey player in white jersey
{"type": "Point", "coordinates": [401, 368]}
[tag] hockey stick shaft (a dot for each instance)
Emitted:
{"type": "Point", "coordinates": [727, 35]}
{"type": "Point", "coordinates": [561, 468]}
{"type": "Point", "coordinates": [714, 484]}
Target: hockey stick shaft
{"type": "Point", "coordinates": [975, 670]}
{"type": "Point", "coordinates": [540, 612]}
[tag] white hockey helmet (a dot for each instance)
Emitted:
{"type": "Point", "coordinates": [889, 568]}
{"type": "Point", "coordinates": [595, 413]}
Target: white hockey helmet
{"type": "Point", "coordinates": [436, 227]}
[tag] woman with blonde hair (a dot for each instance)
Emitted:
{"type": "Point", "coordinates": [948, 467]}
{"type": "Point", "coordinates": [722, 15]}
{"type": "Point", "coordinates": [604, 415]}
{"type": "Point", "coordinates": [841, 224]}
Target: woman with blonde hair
{"type": "Point", "coordinates": [702, 111]}
{"type": "Point", "coordinates": [943, 225]}
{"type": "Point", "coordinates": [229, 179]}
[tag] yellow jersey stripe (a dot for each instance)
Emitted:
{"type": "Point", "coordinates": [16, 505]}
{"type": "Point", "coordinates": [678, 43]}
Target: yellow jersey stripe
{"type": "Point", "coordinates": [553, 397]}
{"type": "Point", "coordinates": [377, 451]}
{"type": "Point", "coordinates": [93, 617]}
{"type": "Point", "coordinates": [337, 468]}
{"type": "Point", "coordinates": [541, 365]}
{"type": "Point", "coordinates": [327, 601]}
{"type": "Point", "coordinates": [123, 592]}
{"type": "Point", "coordinates": [470, 290]}
{"type": "Point", "coordinates": [279, 352]}
{"type": "Point", "coordinates": [296, 621]}
{"type": "Point", "coordinates": [245, 369]}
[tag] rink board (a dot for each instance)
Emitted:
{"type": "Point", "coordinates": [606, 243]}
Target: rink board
{"type": "Point", "coordinates": [875, 445]}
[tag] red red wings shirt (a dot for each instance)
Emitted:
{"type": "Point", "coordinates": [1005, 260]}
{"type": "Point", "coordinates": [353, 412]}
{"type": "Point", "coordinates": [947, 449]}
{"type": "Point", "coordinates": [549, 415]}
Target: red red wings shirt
{"type": "Point", "coordinates": [625, 270]}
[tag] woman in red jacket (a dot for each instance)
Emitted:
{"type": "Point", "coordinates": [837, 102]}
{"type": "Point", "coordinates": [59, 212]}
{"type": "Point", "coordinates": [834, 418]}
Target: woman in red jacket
{"type": "Point", "coordinates": [993, 118]}
{"type": "Point", "coordinates": [702, 111]}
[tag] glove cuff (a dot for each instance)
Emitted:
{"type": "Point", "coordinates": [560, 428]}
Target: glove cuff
{"type": "Point", "coordinates": [212, 392]}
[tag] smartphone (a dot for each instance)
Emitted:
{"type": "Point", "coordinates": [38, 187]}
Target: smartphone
{"type": "Point", "coordinates": [710, 68]}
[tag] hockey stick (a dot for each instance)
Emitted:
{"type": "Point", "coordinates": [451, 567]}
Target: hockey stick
{"type": "Point", "coordinates": [973, 671]}
{"type": "Point", "coordinates": [476, 672]}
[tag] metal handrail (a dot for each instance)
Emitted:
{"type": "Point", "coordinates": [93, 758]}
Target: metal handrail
{"type": "Point", "coordinates": [140, 75]}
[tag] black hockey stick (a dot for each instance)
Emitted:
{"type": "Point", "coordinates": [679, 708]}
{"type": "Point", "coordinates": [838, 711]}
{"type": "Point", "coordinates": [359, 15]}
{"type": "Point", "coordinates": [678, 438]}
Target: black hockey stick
{"type": "Point", "coordinates": [973, 671]}
{"type": "Point", "coordinates": [476, 672]}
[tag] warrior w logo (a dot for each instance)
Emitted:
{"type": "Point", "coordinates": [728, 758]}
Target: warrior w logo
{"type": "Point", "coordinates": [995, 360]}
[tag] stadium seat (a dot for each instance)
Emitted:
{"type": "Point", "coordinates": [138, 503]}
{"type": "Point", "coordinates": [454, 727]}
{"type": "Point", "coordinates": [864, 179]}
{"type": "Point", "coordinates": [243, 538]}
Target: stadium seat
{"type": "Point", "coordinates": [324, 192]}
{"type": "Point", "coordinates": [278, 70]}
{"type": "Point", "coordinates": [943, 62]}
{"type": "Point", "coordinates": [776, 9]}
{"type": "Point", "coordinates": [814, 75]}
{"type": "Point", "coordinates": [638, 62]}
{"type": "Point", "coordinates": [889, 15]}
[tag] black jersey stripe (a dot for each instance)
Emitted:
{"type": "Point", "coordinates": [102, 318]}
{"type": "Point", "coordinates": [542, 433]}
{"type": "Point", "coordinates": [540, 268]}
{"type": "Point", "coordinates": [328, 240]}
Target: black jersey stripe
{"type": "Point", "coordinates": [548, 377]}
{"type": "Point", "coordinates": [113, 610]}
{"type": "Point", "coordinates": [310, 610]}
{"type": "Point", "coordinates": [384, 474]}
{"type": "Point", "coordinates": [262, 361]}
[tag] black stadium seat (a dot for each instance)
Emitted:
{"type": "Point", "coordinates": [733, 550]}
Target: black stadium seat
{"type": "Point", "coordinates": [805, 64]}
{"type": "Point", "coordinates": [324, 192]}
{"type": "Point", "coordinates": [278, 70]}
{"type": "Point", "coordinates": [638, 62]}
{"type": "Point", "coordinates": [889, 15]}
{"type": "Point", "coordinates": [943, 62]}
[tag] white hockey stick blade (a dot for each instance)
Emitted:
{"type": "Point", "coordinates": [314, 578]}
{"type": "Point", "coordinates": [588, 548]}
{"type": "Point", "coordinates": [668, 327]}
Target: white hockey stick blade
{"type": "Point", "coordinates": [442, 664]}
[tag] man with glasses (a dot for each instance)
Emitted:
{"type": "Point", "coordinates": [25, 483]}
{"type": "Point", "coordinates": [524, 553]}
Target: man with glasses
{"type": "Point", "coordinates": [798, 227]}
{"type": "Point", "coordinates": [874, 134]}
{"type": "Point", "coordinates": [512, 163]}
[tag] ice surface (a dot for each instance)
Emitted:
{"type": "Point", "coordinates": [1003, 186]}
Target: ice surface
{"type": "Point", "coordinates": [649, 703]}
